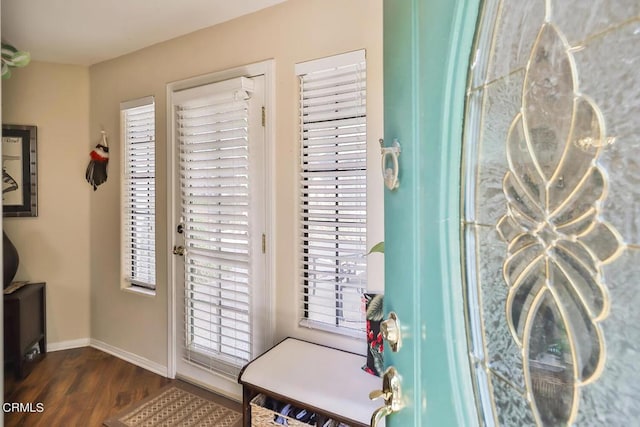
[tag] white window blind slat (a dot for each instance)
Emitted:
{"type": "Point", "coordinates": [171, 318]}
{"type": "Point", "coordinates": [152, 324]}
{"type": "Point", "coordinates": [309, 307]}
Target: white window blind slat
{"type": "Point", "coordinates": [342, 113]}
{"type": "Point", "coordinates": [214, 161]}
{"type": "Point", "coordinates": [213, 115]}
{"type": "Point", "coordinates": [346, 76]}
{"type": "Point", "coordinates": [204, 145]}
{"type": "Point", "coordinates": [238, 291]}
{"type": "Point", "coordinates": [206, 125]}
{"type": "Point", "coordinates": [198, 163]}
{"type": "Point", "coordinates": [333, 191]}
{"type": "Point", "coordinates": [329, 106]}
{"type": "Point", "coordinates": [222, 139]}
{"type": "Point", "coordinates": [357, 89]}
{"type": "Point", "coordinates": [331, 132]}
{"type": "Point", "coordinates": [310, 105]}
{"type": "Point", "coordinates": [138, 194]}
{"type": "Point", "coordinates": [320, 191]}
{"type": "Point", "coordinates": [341, 126]}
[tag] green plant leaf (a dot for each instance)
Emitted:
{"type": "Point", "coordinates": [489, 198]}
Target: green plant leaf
{"type": "Point", "coordinates": [375, 308]}
{"type": "Point", "coordinates": [378, 247]}
{"type": "Point", "coordinates": [8, 50]}
{"type": "Point", "coordinates": [6, 72]}
{"type": "Point", "coordinates": [21, 59]}
{"type": "Point", "coordinates": [12, 58]}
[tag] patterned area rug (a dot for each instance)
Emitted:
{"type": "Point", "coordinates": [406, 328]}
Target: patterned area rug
{"type": "Point", "coordinates": [177, 405]}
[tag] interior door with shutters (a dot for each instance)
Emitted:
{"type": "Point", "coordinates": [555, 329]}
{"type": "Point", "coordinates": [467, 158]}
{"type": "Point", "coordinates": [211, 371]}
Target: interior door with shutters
{"type": "Point", "coordinates": [220, 285]}
{"type": "Point", "coordinates": [512, 242]}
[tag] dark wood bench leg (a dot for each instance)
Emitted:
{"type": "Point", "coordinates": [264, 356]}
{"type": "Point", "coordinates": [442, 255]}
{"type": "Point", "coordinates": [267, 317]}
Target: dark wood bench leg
{"type": "Point", "coordinates": [247, 395]}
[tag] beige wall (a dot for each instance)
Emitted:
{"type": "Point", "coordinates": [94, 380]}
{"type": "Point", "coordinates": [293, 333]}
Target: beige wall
{"type": "Point", "coordinates": [54, 246]}
{"type": "Point", "coordinates": [295, 31]}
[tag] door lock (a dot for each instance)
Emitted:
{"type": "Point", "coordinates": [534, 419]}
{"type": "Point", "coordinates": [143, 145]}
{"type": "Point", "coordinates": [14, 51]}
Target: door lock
{"type": "Point", "coordinates": [178, 250]}
{"type": "Point", "coordinates": [391, 393]}
{"type": "Point", "coordinates": [390, 330]}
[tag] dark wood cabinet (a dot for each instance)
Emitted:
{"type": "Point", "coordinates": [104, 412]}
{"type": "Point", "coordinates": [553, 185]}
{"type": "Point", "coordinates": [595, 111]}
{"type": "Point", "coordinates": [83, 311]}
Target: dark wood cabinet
{"type": "Point", "coordinates": [25, 322]}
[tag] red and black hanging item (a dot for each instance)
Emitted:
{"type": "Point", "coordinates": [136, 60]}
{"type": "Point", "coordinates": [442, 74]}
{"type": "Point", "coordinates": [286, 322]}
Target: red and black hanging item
{"type": "Point", "coordinates": [97, 170]}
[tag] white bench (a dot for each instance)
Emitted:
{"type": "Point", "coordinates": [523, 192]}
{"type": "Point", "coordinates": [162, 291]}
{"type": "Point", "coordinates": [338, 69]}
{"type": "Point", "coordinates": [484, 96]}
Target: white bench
{"type": "Point", "coordinates": [324, 380]}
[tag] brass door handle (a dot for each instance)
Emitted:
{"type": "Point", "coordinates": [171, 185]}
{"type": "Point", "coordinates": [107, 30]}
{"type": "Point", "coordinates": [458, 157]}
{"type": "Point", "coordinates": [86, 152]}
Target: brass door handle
{"type": "Point", "coordinates": [391, 393]}
{"type": "Point", "coordinates": [379, 414]}
{"type": "Point", "coordinates": [178, 250]}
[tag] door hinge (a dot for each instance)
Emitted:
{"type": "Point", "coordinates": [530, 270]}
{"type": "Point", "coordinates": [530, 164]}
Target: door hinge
{"type": "Point", "coordinates": [264, 243]}
{"type": "Point", "coordinates": [264, 115]}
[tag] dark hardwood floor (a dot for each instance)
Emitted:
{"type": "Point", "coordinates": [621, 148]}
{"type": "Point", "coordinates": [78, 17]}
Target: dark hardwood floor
{"type": "Point", "coordinates": [79, 387]}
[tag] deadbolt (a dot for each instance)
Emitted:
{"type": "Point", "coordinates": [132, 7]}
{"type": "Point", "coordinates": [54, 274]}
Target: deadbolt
{"type": "Point", "coordinates": [390, 329]}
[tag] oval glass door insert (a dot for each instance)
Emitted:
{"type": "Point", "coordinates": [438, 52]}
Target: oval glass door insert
{"type": "Point", "coordinates": [550, 212]}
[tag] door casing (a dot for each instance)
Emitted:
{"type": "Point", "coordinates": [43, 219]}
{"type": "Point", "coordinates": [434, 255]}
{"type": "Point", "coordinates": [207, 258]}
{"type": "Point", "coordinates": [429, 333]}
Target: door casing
{"type": "Point", "coordinates": [266, 68]}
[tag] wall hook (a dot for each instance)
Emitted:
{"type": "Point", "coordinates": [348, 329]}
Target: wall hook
{"type": "Point", "coordinates": [390, 174]}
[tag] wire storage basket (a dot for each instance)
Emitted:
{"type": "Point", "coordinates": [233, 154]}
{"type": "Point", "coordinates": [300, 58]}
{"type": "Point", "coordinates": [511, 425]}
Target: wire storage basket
{"type": "Point", "coordinates": [262, 416]}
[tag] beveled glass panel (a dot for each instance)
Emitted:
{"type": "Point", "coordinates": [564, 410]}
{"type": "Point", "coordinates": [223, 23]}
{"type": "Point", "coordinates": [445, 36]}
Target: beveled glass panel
{"type": "Point", "coordinates": [612, 399]}
{"type": "Point", "coordinates": [502, 101]}
{"type": "Point", "coordinates": [608, 72]}
{"type": "Point", "coordinates": [577, 159]}
{"type": "Point", "coordinates": [514, 407]}
{"type": "Point", "coordinates": [548, 100]}
{"type": "Point", "coordinates": [585, 19]}
{"type": "Point", "coordinates": [622, 204]}
{"type": "Point", "coordinates": [553, 174]}
{"type": "Point", "coordinates": [525, 207]}
{"type": "Point", "coordinates": [550, 363]}
{"type": "Point", "coordinates": [577, 212]}
{"type": "Point", "coordinates": [503, 355]}
{"type": "Point", "coordinates": [580, 274]}
{"type": "Point", "coordinates": [515, 33]}
{"type": "Point", "coordinates": [527, 173]}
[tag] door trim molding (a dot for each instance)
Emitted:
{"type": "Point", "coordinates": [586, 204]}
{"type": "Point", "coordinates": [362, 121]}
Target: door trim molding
{"type": "Point", "coordinates": [464, 25]}
{"type": "Point", "coordinates": [266, 68]}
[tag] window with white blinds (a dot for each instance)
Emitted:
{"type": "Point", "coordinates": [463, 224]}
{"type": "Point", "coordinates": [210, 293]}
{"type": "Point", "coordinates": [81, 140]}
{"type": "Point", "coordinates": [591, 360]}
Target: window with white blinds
{"type": "Point", "coordinates": [139, 193]}
{"type": "Point", "coordinates": [333, 192]}
{"type": "Point", "coordinates": [217, 210]}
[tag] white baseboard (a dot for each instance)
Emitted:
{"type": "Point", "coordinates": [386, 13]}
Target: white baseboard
{"type": "Point", "coordinates": [67, 345]}
{"type": "Point", "coordinates": [145, 363]}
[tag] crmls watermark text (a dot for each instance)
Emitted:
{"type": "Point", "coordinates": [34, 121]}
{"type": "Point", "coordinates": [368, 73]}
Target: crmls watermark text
{"type": "Point", "coordinates": [23, 407]}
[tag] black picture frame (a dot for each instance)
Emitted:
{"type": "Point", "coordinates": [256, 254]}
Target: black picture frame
{"type": "Point", "coordinates": [19, 171]}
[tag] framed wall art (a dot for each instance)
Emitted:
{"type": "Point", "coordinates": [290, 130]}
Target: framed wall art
{"type": "Point", "coordinates": [19, 171]}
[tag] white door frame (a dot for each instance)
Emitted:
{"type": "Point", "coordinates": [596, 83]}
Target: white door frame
{"type": "Point", "coordinates": [266, 68]}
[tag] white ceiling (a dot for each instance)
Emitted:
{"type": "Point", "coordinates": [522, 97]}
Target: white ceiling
{"type": "Point", "coordinates": [89, 31]}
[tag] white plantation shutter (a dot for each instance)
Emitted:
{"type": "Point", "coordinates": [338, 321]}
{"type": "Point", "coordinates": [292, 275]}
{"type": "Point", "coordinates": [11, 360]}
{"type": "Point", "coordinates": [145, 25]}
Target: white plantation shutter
{"type": "Point", "coordinates": [138, 194]}
{"type": "Point", "coordinates": [212, 130]}
{"type": "Point", "coordinates": [333, 187]}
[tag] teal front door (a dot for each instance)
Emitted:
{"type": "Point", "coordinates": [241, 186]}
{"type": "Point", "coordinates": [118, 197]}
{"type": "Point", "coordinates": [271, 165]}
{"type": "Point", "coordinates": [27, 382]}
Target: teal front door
{"type": "Point", "coordinates": [426, 52]}
{"type": "Point", "coordinates": [512, 243]}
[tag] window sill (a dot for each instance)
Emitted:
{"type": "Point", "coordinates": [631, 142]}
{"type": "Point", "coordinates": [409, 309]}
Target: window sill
{"type": "Point", "coordinates": [139, 291]}
{"type": "Point", "coordinates": [345, 332]}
